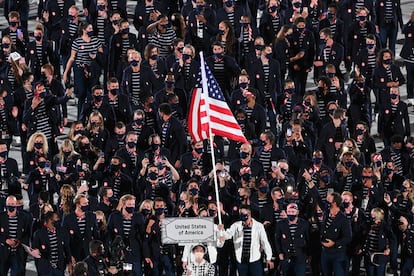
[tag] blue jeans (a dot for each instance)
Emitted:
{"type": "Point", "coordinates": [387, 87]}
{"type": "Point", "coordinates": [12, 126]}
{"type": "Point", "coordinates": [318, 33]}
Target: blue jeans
{"type": "Point", "coordinates": [410, 79]}
{"type": "Point", "coordinates": [389, 32]}
{"type": "Point", "coordinates": [81, 87]}
{"type": "Point", "coordinates": [136, 269]}
{"type": "Point", "coordinates": [16, 265]}
{"type": "Point", "coordinates": [407, 266]}
{"type": "Point", "coordinates": [254, 268]}
{"type": "Point", "coordinates": [292, 268]}
{"type": "Point", "coordinates": [373, 270]}
{"type": "Point", "coordinates": [333, 263]}
{"type": "Point", "coordinates": [54, 272]}
{"type": "Point", "coordinates": [164, 264]}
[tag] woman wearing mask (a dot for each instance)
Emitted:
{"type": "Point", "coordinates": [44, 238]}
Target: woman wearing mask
{"type": "Point", "coordinates": [96, 131]}
{"type": "Point", "coordinates": [76, 130]}
{"type": "Point", "coordinates": [64, 164]}
{"type": "Point", "coordinates": [364, 141]}
{"type": "Point", "coordinates": [84, 51]}
{"type": "Point", "coordinates": [128, 224]}
{"type": "Point", "coordinates": [36, 146]}
{"type": "Point", "coordinates": [377, 243]}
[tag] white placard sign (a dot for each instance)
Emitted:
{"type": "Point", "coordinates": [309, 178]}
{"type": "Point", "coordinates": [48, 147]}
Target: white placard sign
{"type": "Point", "coordinates": [187, 230]}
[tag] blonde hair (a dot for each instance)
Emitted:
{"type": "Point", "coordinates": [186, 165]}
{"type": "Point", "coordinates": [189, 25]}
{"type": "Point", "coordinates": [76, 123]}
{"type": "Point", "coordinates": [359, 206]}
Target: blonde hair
{"type": "Point", "coordinates": [123, 200]}
{"type": "Point", "coordinates": [66, 194]}
{"type": "Point", "coordinates": [66, 144]}
{"type": "Point", "coordinates": [100, 213]}
{"type": "Point", "coordinates": [96, 114]}
{"type": "Point", "coordinates": [33, 137]}
{"type": "Point", "coordinates": [379, 213]}
{"type": "Point", "coordinates": [148, 201]}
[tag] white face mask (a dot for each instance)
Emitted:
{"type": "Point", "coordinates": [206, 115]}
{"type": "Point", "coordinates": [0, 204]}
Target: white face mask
{"type": "Point", "coordinates": [198, 256]}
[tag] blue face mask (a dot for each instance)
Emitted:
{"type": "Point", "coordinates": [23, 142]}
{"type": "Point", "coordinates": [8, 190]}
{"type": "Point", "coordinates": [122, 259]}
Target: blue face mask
{"type": "Point", "coordinates": [393, 96]}
{"type": "Point", "coordinates": [10, 208]}
{"type": "Point", "coordinates": [345, 204]}
{"type": "Point", "coordinates": [269, 56]}
{"type": "Point", "coordinates": [186, 56]}
{"type": "Point", "coordinates": [290, 91]}
{"type": "Point", "coordinates": [90, 34]}
{"type": "Point", "coordinates": [329, 15]}
{"type": "Point", "coordinates": [317, 161]}
{"type": "Point", "coordinates": [125, 31]}
{"type": "Point", "coordinates": [130, 210]}
{"type": "Point", "coordinates": [370, 46]}
{"type": "Point", "coordinates": [325, 178]}
{"type": "Point", "coordinates": [258, 47]}
{"type": "Point", "coordinates": [264, 189]}
{"type": "Point", "coordinates": [153, 176]}
{"type": "Point", "coordinates": [246, 176]}
{"type": "Point", "coordinates": [199, 8]}
{"type": "Point", "coordinates": [145, 212]}
{"type": "Point", "coordinates": [291, 217]}
{"type": "Point", "coordinates": [154, 57]}
{"type": "Point", "coordinates": [42, 165]}
{"type": "Point", "coordinates": [387, 61]}
{"type": "Point", "coordinates": [244, 24]}
{"type": "Point", "coordinates": [169, 84]}
{"type": "Point", "coordinates": [85, 208]}
{"type": "Point", "coordinates": [98, 98]}
{"type": "Point", "coordinates": [244, 217]}
{"type": "Point", "coordinates": [297, 5]}
{"type": "Point", "coordinates": [361, 18]}
{"type": "Point", "coordinates": [159, 211]}
{"type": "Point", "coordinates": [131, 145]}
{"type": "Point", "coordinates": [244, 155]}
{"type": "Point", "coordinates": [280, 202]}
{"type": "Point", "coordinates": [218, 56]}
{"type": "Point", "coordinates": [134, 63]}
{"type": "Point", "coordinates": [330, 75]}
{"type": "Point", "coordinates": [3, 154]}
{"type": "Point", "coordinates": [243, 85]}
{"type": "Point", "coordinates": [359, 131]}
{"type": "Point", "coordinates": [349, 164]}
{"type": "Point", "coordinates": [272, 9]}
{"type": "Point", "coordinates": [193, 191]}
{"type": "Point", "coordinates": [229, 3]}
{"type": "Point", "coordinates": [388, 171]}
{"type": "Point", "coordinates": [211, 212]}
{"type": "Point", "coordinates": [221, 32]}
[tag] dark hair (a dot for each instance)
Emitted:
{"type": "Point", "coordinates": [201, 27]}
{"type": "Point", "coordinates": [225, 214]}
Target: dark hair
{"type": "Point", "coordinates": [337, 198]}
{"type": "Point", "coordinates": [80, 269]}
{"type": "Point", "coordinates": [165, 108]}
{"type": "Point", "coordinates": [95, 246]}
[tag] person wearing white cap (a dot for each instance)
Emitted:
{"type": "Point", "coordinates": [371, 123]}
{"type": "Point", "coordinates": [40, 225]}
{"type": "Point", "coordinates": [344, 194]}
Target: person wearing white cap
{"type": "Point", "coordinates": [200, 266]}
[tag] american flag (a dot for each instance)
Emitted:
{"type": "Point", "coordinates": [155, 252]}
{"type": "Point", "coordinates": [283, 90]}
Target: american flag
{"type": "Point", "coordinates": [218, 117]}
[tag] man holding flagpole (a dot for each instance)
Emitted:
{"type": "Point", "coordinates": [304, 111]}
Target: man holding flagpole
{"type": "Point", "coordinates": [210, 115]}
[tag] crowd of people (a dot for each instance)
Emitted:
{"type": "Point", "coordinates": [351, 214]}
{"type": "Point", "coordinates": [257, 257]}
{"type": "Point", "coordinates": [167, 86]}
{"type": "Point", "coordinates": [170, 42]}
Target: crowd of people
{"type": "Point", "coordinates": [308, 194]}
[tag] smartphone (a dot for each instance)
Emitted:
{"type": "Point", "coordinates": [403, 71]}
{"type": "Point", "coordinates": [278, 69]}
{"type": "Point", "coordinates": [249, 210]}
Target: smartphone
{"type": "Point", "coordinates": [84, 183]}
{"type": "Point", "coordinates": [274, 164]}
{"type": "Point", "coordinates": [47, 167]}
{"type": "Point", "coordinates": [19, 32]}
{"type": "Point", "coordinates": [289, 132]}
{"type": "Point", "coordinates": [102, 154]}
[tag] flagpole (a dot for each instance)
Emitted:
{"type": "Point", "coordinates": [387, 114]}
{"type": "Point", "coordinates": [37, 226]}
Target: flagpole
{"type": "Point", "coordinates": [213, 158]}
